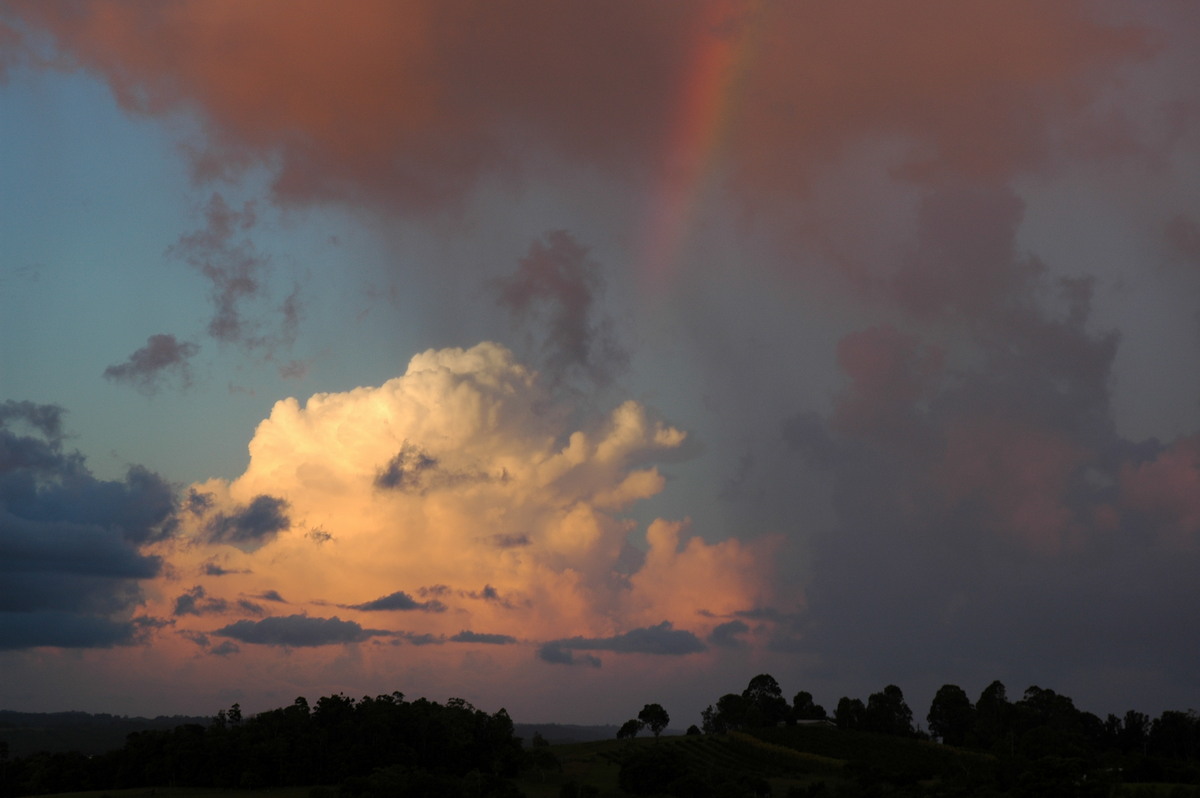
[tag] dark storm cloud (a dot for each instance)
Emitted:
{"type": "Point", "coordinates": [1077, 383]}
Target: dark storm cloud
{"type": "Point", "coordinates": [251, 526]}
{"type": "Point", "coordinates": [556, 655]}
{"type": "Point", "coordinates": [20, 630]}
{"type": "Point", "coordinates": [467, 636]}
{"type": "Point", "coordinates": [659, 639]}
{"type": "Point", "coordinates": [989, 519]}
{"type": "Point", "coordinates": [299, 631]}
{"type": "Point", "coordinates": [397, 601]}
{"type": "Point", "coordinates": [727, 635]}
{"type": "Point", "coordinates": [69, 543]}
{"type": "Point", "coordinates": [558, 286]}
{"type": "Point", "coordinates": [1183, 236]}
{"type": "Point", "coordinates": [148, 368]}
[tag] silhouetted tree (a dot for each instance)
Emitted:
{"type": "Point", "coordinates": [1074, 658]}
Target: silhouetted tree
{"type": "Point", "coordinates": [803, 707]}
{"type": "Point", "coordinates": [887, 713]}
{"type": "Point", "coordinates": [629, 729]}
{"type": "Point", "coordinates": [654, 716]}
{"type": "Point", "coordinates": [766, 705]}
{"type": "Point", "coordinates": [951, 715]}
{"type": "Point", "coordinates": [993, 719]}
{"type": "Point", "coordinates": [850, 713]}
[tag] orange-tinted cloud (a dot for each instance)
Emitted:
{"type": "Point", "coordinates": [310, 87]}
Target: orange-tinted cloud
{"type": "Point", "coordinates": [454, 506]}
{"type": "Point", "coordinates": [411, 103]}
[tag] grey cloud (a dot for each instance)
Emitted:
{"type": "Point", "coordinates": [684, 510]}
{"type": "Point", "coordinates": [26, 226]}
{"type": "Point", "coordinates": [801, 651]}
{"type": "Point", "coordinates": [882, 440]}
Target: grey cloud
{"type": "Point", "coordinates": [398, 601]}
{"type": "Point", "coordinates": [659, 639]}
{"type": "Point", "coordinates": [556, 655]}
{"type": "Point", "coordinates": [299, 631]}
{"type": "Point", "coordinates": [233, 268]}
{"type": "Point", "coordinates": [148, 368]}
{"type": "Point", "coordinates": [1183, 236]}
{"type": "Point", "coordinates": [213, 569]}
{"type": "Point", "coordinates": [69, 543]}
{"type": "Point", "coordinates": [197, 602]}
{"type": "Point", "coordinates": [505, 541]}
{"type": "Point", "coordinates": [993, 531]}
{"type": "Point", "coordinates": [405, 471]}
{"type": "Point", "coordinates": [413, 470]}
{"type": "Point", "coordinates": [251, 526]}
{"type": "Point", "coordinates": [250, 607]}
{"type": "Point", "coordinates": [726, 635]}
{"type": "Point", "coordinates": [20, 630]}
{"type": "Point", "coordinates": [490, 594]}
{"type": "Point", "coordinates": [225, 648]}
{"type": "Point", "coordinates": [558, 285]}
{"type": "Point", "coordinates": [467, 636]}
{"type": "Point", "coordinates": [270, 595]}
{"type": "Point", "coordinates": [46, 419]}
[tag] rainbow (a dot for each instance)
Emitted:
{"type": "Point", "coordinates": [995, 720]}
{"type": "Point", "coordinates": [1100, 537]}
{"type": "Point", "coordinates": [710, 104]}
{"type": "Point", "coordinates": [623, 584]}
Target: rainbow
{"type": "Point", "coordinates": [700, 121]}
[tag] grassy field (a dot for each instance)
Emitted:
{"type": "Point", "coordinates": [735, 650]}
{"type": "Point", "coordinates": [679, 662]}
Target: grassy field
{"type": "Point", "coordinates": [187, 792]}
{"type": "Point", "coordinates": [783, 758]}
{"type": "Point", "coordinates": [597, 764]}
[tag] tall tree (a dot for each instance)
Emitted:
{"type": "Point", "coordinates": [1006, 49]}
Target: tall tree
{"type": "Point", "coordinates": [629, 729]}
{"type": "Point", "coordinates": [850, 713]}
{"type": "Point", "coordinates": [951, 715]}
{"type": "Point", "coordinates": [887, 713]}
{"type": "Point", "coordinates": [765, 701]}
{"type": "Point", "coordinates": [655, 717]}
{"type": "Point", "coordinates": [803, 707]}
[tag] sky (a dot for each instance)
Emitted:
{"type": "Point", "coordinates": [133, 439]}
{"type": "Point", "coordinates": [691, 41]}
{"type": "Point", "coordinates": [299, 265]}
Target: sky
{"type": "Point", "coordinates": [567, 357]}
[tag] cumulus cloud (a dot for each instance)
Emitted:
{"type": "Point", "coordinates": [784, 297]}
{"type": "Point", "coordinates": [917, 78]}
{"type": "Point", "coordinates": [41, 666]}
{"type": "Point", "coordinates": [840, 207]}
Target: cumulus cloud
{"type": "Point", "coordinates": [557, 496]}
{"type": "Point", "coordinates": [149, 367]}
{"type": "Point", "coordinates": [299, 631]}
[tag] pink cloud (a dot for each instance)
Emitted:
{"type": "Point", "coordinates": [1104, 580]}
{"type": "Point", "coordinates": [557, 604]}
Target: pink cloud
{"type": "Point", "coordinates": [889, 372]}
{"type": "Point", "coordinates": [1167, 489]}
{"type": "Point", "coordinates": [411, 104]}
{"type": "Point", "coordinates": [1016, 475]}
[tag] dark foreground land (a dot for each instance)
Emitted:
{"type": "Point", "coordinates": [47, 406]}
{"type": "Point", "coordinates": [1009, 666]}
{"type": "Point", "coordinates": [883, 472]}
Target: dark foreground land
{"type": "Point", "coordinates": [751, 744]}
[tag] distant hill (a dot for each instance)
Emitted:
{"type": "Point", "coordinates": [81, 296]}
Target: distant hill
{"type": "Point", "coordinates": [561, 733]}
{"type": "Point", "coordinates": [29, 732]}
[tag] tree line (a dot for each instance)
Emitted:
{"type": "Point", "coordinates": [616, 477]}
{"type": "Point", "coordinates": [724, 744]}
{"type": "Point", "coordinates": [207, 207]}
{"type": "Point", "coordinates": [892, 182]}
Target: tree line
{"type": "Point", "coordinates": [1039, 730]}
{"type": "Point", "coordinates": [374, 746]}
